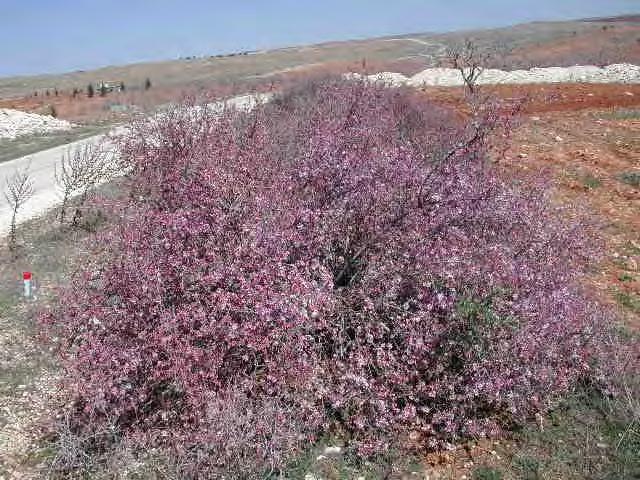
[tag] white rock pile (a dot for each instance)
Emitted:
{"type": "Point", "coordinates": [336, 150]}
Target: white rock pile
{"type": "Point", "coordinates": [244, 103]}
{"type": "Point", "coordinates": [14, 123]}
{"type": "Point", "coordinates": [450, 77]}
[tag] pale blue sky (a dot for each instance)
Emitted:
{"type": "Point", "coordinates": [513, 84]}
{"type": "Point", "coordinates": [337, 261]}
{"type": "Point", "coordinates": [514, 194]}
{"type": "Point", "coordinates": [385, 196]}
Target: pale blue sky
{"type": "Point", "coordinates": [40, 36]}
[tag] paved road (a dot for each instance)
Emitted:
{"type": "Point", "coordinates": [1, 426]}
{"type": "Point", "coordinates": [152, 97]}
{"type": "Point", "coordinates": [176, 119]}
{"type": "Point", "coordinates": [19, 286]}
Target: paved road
{"type": "Point", "coordinates": [41, 165]}
{"type": "Point", "coordinates": [41, 172]}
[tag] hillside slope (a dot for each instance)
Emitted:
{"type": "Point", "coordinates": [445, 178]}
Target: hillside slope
{"type": "Point", "coordinates": [533, 44]}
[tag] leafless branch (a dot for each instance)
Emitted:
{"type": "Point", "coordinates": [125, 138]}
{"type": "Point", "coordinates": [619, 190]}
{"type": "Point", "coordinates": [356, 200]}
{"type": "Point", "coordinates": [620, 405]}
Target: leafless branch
{"type": "Point", "coordinates": [78, 172]}
{"type": "Point", "coordinates": [19, 188]}
{"type": "Point", "coordinates": [470, 61]}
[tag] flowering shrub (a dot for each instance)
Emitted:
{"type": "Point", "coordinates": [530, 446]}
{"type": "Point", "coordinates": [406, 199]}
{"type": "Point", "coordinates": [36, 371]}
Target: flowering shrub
{"type": "Point", "coordinates": [345, 257]}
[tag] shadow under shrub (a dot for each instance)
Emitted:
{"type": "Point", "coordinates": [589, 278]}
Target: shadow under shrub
{"type": "Point", "coordinates": [347, 259]}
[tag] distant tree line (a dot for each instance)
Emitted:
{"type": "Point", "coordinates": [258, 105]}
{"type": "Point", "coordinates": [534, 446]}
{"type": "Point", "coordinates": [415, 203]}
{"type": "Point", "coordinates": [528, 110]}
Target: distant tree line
{"type": "Point", "coordinates": [102, 89]}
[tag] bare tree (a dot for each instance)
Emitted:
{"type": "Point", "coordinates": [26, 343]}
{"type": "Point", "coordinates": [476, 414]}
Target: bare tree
{"type": "Point", "coordinates": [19, 188]}
{"type": "Point", "coordinates": [470, 61]}
{"type": "Point", "coordinates": [70, 175]}
{"type": "Point", "coordinates": [78, 172]}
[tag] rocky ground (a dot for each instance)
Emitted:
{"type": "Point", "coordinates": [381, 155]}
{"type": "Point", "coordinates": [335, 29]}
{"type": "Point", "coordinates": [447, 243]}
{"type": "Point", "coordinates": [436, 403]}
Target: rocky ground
{"type": "Point", "coordinates": [450, 77]}
{"type": "Point", "coordinates": [15, 123]}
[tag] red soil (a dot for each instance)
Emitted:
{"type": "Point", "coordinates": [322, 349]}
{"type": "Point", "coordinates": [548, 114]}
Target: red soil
{"type": "Point", "coordinates": [586, 137]}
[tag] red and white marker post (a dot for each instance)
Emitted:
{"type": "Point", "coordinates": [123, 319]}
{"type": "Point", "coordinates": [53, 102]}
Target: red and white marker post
{"type": "Point", "coordinates": [26, 277]}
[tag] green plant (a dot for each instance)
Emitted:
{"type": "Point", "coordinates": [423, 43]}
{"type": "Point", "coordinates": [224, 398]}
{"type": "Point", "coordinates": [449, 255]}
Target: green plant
{"type": "Point", "coordinates": [625, 114]}
{"type": "Point", "coordinates": [590, 181]}
{"type": "Point", "coordinates": [589, 435]}
{"type": "Point", "coordinates": [92, 220]}
{"type": "Point", "coordinates": [628, 300]}
{"type": "Point", "coordinates": [487, 473]}
{"type": "Point", "coordinates": [631, 178]}
{"type": "Point", "coordinates": [632, 248]}
{"type": "Point", "coordinates": [527, 467]}
{"type": "Point", "coordinates": [625, 277]}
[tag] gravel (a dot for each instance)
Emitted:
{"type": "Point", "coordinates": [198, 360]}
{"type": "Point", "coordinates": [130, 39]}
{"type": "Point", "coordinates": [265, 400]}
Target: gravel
{"type": "Point", "coordinates": [450, 77]}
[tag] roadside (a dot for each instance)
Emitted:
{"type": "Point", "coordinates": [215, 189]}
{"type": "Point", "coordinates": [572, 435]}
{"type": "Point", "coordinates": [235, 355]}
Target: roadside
{"type": "Point", "coordinates": [29, 388]}
{"type": "Point", "coordinates": [41, 167]}
{"type": "Point", "coordinates": [42, 164]}
{"type": "Point", "coordinates": [10, 149]}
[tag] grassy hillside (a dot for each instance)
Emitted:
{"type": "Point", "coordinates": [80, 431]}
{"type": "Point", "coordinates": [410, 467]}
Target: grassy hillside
{"type": "Point", "coordinates": [407, 53]}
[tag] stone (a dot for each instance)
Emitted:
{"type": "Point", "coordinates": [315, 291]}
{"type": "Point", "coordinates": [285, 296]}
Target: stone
{"type": "Point", "coordinates": [332, 450]}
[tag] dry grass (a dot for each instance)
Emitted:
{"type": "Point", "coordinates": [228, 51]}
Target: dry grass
{"type": "Point", "coordinates": [28, 373]}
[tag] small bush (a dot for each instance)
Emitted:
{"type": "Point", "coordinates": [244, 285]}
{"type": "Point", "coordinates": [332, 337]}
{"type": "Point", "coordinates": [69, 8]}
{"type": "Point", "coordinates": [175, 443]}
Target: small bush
{"type": "Point", "coordinates": [631, 178]}
{"type": "Point", "coordinates": [527, 467]}
{"type": "Point", "coordinates": [591, 182]}
{"type": "Point", "coordinates": [487, 473]}
{"type": "Point", "coordinates": [91, 220]}
{"type": "Point", "coordinates": [347, 259]}
{"type": "Point", "coordinates": [628, 300]}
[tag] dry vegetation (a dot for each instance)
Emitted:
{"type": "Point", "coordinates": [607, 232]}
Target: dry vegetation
{"type": "Point", "coordinates": [29, 376]}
